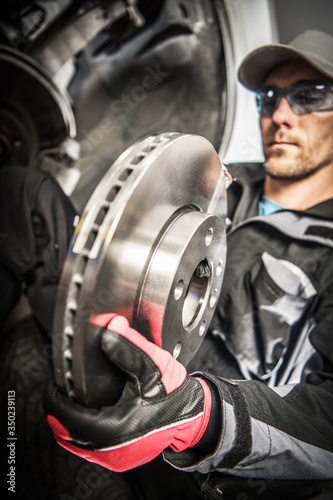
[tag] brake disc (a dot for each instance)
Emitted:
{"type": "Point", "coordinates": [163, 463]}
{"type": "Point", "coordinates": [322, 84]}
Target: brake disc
{"type": "Point", "coordinates": [148, 247]}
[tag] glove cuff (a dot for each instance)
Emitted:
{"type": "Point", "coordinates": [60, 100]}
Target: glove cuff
{"type": "Point", "coordinates": [206, 411]}
{"type": "Point", "coordinates": [208, 442]}
{"type": "Point", "coordinates": [190, 432]}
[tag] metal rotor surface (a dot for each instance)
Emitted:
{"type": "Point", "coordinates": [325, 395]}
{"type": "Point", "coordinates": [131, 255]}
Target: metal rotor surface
{"type": "Point", "coordinates": [147, 246]}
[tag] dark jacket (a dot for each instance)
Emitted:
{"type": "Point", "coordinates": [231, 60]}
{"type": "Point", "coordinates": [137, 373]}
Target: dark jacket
{"type": "Point", "coordinates": [273, 328]}
{"type": "Point", "coordinates": [36, 225]}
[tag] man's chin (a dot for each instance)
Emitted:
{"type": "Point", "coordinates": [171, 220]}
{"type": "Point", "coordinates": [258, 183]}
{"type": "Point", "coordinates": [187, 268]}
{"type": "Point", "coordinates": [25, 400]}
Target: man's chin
{"type": "Point", "coordinates": [280, 169]}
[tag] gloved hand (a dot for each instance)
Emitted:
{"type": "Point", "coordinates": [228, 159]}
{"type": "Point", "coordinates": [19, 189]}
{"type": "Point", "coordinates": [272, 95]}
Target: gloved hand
{"type": "Point", "coordinates": [161, 406]}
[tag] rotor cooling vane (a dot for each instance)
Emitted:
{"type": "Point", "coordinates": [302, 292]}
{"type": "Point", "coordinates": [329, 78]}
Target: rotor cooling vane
{"type": "Point", "coordinates": [148, 246]}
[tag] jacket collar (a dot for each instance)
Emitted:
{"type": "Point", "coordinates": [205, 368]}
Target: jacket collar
{"type": "Point", "coordinates": [246, 191]}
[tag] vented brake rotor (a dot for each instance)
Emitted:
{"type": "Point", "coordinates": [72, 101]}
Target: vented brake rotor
{"type": "Point", "coordinates": [147, 247]}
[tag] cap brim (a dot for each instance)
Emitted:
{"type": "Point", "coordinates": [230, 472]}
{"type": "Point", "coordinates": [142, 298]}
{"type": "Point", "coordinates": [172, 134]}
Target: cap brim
{"type": "Point", "coordinates": [257, 64]}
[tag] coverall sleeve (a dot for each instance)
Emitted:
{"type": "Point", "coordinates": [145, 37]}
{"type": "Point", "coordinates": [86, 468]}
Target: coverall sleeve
{"type": "Point", "coordinates": [283, 432]}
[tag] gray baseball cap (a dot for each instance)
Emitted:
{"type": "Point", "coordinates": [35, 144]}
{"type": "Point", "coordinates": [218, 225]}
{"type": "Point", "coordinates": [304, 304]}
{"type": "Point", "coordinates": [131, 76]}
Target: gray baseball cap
{"type": "Point", "coordinates": [314, 46]}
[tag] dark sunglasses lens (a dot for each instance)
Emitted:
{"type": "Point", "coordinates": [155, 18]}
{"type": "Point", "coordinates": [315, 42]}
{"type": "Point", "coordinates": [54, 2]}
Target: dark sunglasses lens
{"type": "Point", "coordinates": [269, 100]}
{"type": "Point", "coordinates": [310, 98]}
{"type": "Point", "coordinates": [303, 98]}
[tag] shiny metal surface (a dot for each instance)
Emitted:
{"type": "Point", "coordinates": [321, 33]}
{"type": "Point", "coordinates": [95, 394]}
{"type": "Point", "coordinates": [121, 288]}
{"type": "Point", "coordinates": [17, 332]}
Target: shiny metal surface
{"type": "Point", "coordinates": [150, 247]}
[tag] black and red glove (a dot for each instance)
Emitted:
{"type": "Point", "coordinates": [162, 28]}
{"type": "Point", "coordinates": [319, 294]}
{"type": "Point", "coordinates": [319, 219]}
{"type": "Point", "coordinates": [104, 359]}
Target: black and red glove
{"type": "Point", "coordinates": [161, 406]}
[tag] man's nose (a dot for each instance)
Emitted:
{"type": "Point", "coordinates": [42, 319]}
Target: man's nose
{"type": "Point", "coordinates": [284, 114]}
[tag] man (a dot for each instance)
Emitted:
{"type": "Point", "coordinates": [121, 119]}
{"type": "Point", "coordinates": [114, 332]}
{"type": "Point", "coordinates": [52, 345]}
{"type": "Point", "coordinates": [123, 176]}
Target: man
{"type": "Point", "coordinates": [261, 405]}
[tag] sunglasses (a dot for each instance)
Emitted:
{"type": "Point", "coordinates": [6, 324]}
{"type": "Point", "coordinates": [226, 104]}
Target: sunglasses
{"type": "Point", "coordinates": [303, 97]}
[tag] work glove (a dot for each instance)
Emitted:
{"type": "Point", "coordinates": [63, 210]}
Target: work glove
{"type": "Point", "coordinates": [160, 407]}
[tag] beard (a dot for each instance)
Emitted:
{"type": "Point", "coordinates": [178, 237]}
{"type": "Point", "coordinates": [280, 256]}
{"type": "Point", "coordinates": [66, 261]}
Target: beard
{"type": "Point", "coordinates": [279, 167]}
{"type": "Point", "coordinates": [288, 165]}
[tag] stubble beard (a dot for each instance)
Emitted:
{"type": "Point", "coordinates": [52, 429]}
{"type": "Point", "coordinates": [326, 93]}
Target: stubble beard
{"type": "Point", "coordinates": [279, 167]}
{"type": "Point", "coordinates": [279, 164]}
